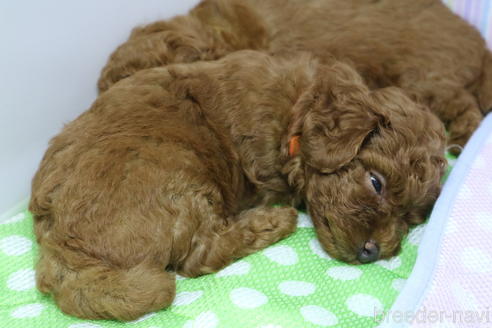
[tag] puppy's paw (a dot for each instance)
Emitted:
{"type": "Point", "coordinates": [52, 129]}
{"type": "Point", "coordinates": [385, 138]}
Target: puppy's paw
{"type": "Point", "coordinates": [268, 225]}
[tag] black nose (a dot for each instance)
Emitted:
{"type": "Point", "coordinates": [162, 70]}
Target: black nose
{"type": "Point", "coordinates": [369, 252]}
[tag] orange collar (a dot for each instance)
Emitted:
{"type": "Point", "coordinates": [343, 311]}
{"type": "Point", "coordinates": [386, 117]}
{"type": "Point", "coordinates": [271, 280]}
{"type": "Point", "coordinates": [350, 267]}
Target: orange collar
{"type": "Point", "coordinates": [294, 146]}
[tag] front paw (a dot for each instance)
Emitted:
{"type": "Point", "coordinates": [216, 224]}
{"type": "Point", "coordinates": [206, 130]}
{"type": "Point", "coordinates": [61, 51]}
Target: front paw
{"type": "Point", "coordinates": [271, 224]}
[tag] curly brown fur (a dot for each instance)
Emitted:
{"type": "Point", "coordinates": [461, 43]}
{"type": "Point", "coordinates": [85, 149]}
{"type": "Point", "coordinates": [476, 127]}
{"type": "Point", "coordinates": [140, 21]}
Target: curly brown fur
{"type": "Point", "coordinates": [420, 46]}
{"type": "Point", "coordinates": [177, 167]}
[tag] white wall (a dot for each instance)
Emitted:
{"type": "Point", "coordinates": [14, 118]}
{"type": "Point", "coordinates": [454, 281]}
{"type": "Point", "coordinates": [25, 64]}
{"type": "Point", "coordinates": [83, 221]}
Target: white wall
{"type": "Point", "coordinates": [51, 53]}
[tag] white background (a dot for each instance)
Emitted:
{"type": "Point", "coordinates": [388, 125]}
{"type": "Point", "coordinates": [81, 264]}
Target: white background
{"type": "Point", "coordinates": [51, 53]}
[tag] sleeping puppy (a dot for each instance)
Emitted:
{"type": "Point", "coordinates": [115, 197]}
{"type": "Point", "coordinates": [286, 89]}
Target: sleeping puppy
{"type": "Point", "coordinates": [175, 169]}
{"type": "Point", "coordinates": [420, 46]}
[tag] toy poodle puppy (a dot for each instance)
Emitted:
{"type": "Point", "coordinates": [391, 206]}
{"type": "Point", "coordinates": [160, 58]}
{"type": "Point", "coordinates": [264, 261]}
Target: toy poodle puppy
{"type": "Point", "coordinates": [176, 169]}
{"type": "Point", "coordinates": [420, 46]}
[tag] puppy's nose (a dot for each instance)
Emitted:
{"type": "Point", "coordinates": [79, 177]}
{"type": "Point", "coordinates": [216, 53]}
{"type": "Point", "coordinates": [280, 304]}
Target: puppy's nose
{"type": "Point", "coordinates": [369, 252]}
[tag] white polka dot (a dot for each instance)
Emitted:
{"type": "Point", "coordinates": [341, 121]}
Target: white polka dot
{"type": "Point", "coordinates": [15, 245]}
{"type": "Point", "coordinates": [247, 298]}
{"type": "Point", "coordinates": [296, 288]}
{"type": "Point", "coordinates": [476, 260]}
{"type": "Point", "coordinates": [28, 311]}
{"type": "Point", "coordinates": [144, 317]}
{"type": "Point", "coordinates": [185, 298]}
{"type": "Point", "coordinates": [84, 325]}
{"type": "Point", "coordinates": [364, 305]}
{"type": "Point", "coordinates": [319, 316]}
{"type": "Point", "coordinates": [391, 264]}
{"type": "Point", "coordinates": [398, 284]}
{"type": "Point", "coordinates": [318, 250]}
{"type": "Point", "coordinates": [235, 269]}
{"type": "Point", "coordinates": [304, 221]}
{"type": "Point", "coordinates": [344, 272]}
{"type": "Point", "coordinates": [451, 161]}
{"type": "Point", "coordinates": [179, 277]}
{"type": "Point", "coordinates": [21, 280]}
{"type": "Point", "coordinates": [484, 220]}
{"type": "Point", "coordinates": [415, 236]}
{"type": "Point", "coordinates": [464, 298]}
{"type": "Point", "coordinates": [284, 255]}
{"type": "Point", "coordinates": [206, 319]}
{"type": "Point", "coordinates": [15, 218]}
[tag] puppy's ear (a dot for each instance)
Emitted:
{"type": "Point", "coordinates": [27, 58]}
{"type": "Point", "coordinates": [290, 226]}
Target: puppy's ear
{"type": "Point", "coordinates": [334, 118]}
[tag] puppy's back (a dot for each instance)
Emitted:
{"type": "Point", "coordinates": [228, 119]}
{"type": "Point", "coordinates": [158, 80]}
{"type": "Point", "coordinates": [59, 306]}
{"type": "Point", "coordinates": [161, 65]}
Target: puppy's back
{"type": "Point", "coordinates": [102, 196]}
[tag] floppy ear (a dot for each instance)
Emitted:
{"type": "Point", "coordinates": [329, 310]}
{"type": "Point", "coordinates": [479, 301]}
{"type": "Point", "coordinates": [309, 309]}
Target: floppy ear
{"type": "Point", "coordinates": [334, 117]}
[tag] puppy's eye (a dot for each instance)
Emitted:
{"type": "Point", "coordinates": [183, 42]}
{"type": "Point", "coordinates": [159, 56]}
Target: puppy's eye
{"type": "Point", "coordinates": [376, 183]}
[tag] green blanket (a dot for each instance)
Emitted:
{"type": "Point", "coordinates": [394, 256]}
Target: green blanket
{"type": "Point", "coordinates": [290, 284]}
{"type": "Point", "coordinates": [293, 283]}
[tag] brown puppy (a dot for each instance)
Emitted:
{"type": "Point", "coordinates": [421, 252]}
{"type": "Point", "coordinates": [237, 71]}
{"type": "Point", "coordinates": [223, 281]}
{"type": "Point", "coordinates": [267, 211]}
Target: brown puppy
{"type": "Point", "coordinates": [176, 168]}
{"type": "Point", "coordinates": [419, 45]}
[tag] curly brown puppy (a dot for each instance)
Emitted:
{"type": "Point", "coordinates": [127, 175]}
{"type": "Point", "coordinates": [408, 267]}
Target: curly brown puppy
{"type": "Point", "coordinates": [176, 168]}
{"type": "Point", "coordinates": [419, 45]}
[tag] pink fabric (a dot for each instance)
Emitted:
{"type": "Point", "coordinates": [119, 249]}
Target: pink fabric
{"type": "Point", "coordinates": [461, 287]}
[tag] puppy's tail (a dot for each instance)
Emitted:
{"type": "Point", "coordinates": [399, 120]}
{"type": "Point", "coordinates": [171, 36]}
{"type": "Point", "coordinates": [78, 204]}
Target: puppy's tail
{"type": "Point", "coordinates": [101, 292]}
{"type": "Point", "coordinates": [484, 90]}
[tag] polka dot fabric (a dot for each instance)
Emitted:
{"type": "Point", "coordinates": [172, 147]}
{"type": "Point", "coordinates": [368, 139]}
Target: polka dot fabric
{"type": "Point", "coordinates": [290, 284]}
{"type": "Point", "coordinates": [293, 283]}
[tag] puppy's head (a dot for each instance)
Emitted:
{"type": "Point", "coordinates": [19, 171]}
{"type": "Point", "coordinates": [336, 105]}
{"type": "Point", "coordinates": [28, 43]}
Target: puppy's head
{"type": "Point", "coordinates": [369, 164]}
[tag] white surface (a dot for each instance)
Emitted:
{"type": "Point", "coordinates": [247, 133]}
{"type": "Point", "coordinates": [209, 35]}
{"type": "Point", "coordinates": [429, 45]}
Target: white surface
{"type": "Point", "coordinates": [50, 59]}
